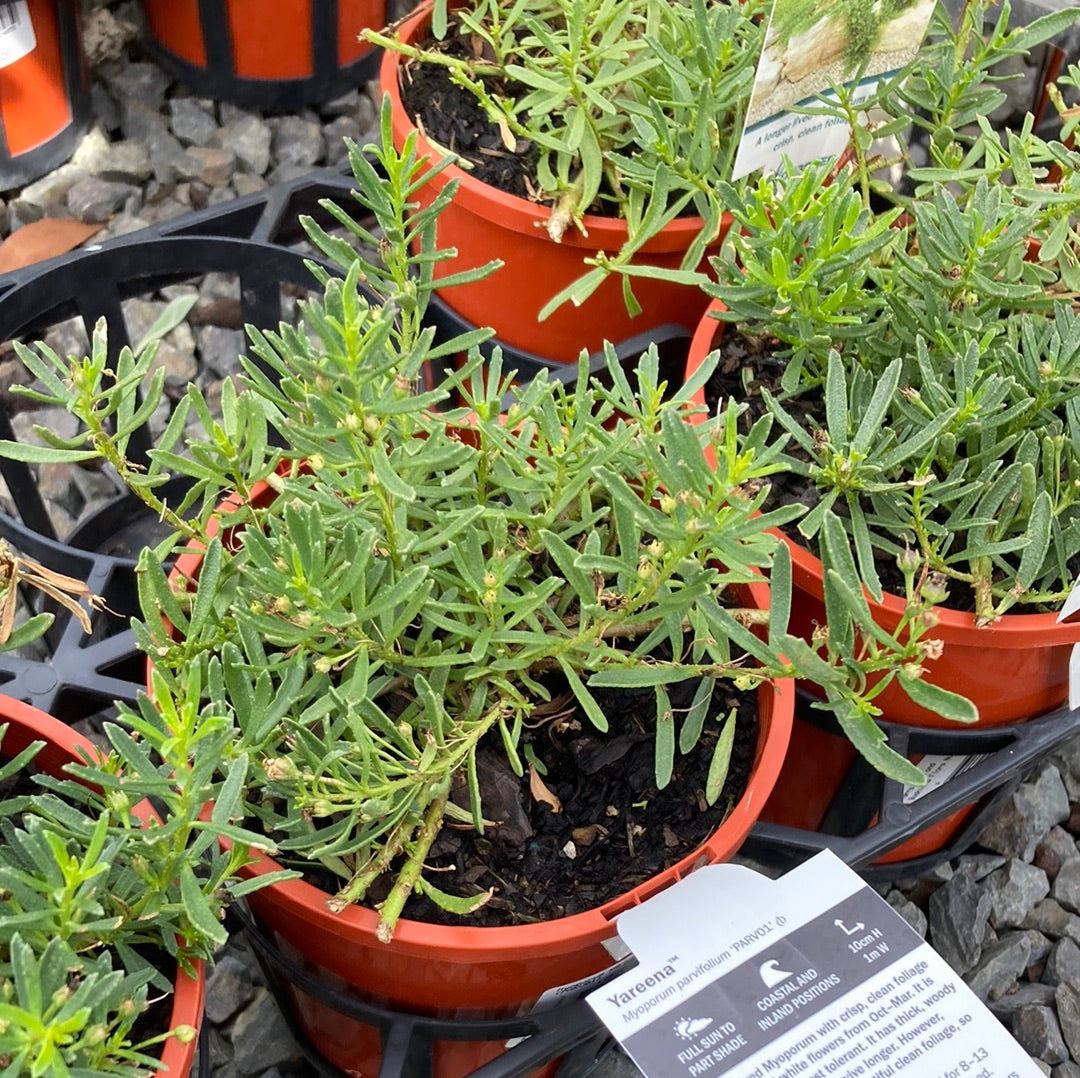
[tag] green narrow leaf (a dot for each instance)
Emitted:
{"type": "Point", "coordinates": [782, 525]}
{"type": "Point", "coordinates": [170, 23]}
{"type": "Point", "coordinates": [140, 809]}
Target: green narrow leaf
{"type": "Point", "coordinates": [209, 581]}
{"type": "Point", "coordinates": [694, 721]}
{"type": "Point", "coordinates": [197, 908]}
{"type": "Point", "coordinates": [665, 738]}
{"type": "Point", "coordinates": [870, 742]}
{"type": "Point", "coordinates": [949, 705]}
{"type": "Point", "coordinates": [457, 904]}
{"type": "Point", "coordinates": [585, 698]}
{"type": "Point", "coordinates": [721, 759]}
{"type": "Point", "coordinates": [565, 558]}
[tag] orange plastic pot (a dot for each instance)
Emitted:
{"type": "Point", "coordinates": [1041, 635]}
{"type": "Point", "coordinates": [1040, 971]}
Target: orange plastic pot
{"type": "Point", "coordinates": [470, 972]}
{"type": "Point", "coordinates": [265, 53]}
{"type": "Point", "coordinates": [811, 780]}
{"type": "Point", "coordinates": [467, 972]}
{"type": "Point", "coordinates": [1015, 669]}
{"type": "Point", "coordinates": [62, 745]}
{"type": "Point", "coordinates": [44, 92]}
{"type": "Point", "coordinates": [484, 223]}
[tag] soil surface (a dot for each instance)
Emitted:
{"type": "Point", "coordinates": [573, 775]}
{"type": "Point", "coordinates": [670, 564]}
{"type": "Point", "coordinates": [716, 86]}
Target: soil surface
{"type": "Point", "coordinates": [452, 118]}
{"type": "Point", "coordinates": [614, 829]}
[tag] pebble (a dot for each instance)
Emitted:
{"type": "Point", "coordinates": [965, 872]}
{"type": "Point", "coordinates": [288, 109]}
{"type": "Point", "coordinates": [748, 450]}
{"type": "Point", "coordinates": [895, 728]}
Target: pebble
{"type": "Point", "coordinates": [1006, 915]}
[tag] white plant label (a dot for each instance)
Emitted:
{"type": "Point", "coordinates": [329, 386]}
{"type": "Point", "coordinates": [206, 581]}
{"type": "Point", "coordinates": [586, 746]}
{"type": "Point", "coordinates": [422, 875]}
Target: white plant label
{"type": "Point", "coordinates": [1070, 607]}
{"type": "Point", "coordinates": [17, 37]}
{"type": "Point", "coordinates": [798, 65]}
{"type": "Point", "coordinates": [938, 771]}
{"type": "Point", "coordinates": [810, 976]}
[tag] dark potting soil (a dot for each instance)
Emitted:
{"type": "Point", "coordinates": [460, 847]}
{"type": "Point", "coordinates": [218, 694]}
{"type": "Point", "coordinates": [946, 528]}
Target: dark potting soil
{"type": "Point", "coordinates": [451, 117]}
{"type": "Point", "coordinates": [614, 830]}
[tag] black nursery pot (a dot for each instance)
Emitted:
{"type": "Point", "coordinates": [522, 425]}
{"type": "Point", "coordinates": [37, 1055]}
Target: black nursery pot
{"type": "Point", "coordinates": [44, 88]}
{"type": "Point", "coordinates": [277, 54]}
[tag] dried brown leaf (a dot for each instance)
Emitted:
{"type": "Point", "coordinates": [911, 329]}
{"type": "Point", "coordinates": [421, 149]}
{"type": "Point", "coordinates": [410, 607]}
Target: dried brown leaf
{"type": "Point", "coordinates": [540, 792]}
{"type": "Point", "coordinates": [47, 238]}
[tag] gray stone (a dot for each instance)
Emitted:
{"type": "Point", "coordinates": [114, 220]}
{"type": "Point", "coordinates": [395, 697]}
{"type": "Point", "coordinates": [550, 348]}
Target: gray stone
{"type": "Point", "coordinates": [287, 171]}
{"type": "Point", "coordinates": [23, 213]}
{"type": "Point", "coordinates": [50, 192]}
{"type": "Point", "coordinates": [166, 153]}
{"type": "Point", "coordinates": [144, 82]}
{"type": "Point", "coordinates": [1044, 1067]}
{"type": "Point", "coordinates": [1025, 995]}
{"type": "Point", "coordinates": [1017, 829]}
{"type": "Point", "coordinates": [1063, 964]}
{"type": "Point", "coordinates": [261, 1038]}
{"type": "Point", "coordinates": [220, 349]}
{"type": "Point", "coordinates": [211, 165]}
{"type": "Point", "coordinates": [218, 195]}
{"type": "Point", "coordinates": [139, 120]}
{"type": "Point", "coordinates": [1067, 998]}
{"type": "Point", "coordinates": [297, 140]}
{"type": "Point", "coordinates": [249, 138]}
{"type": "Point", "coordinates": [979, 865]}
{"type": "Point", "coordinates": [1067, 761]}
{"type": "Point", "coordinates": [1040, 946]}
{"type": "Point", "coordinates": [1055, 849]}
{"type": "Point", "coordinates": [1014, 889]}
{"type": "Point", "coordinates": [181, 367]}
{"type": "Point", "coordinates": [959, 913]}
{"type": "Point", "coordinates": [103, 107]}
{"type": "Point", "coordinates": [246, 184]}
{"type": "Point", "coordinates": [1049, 918]}
{"type": "Point", "coordinates": [1049, 796]}
{"type": "Point", "coordinates": [1000, 966]}
{"type": "Point", "coordinates": [190, 122]}
{"type": "Point", "coordinates": [228, 988]}
{"type": "Point", "coordinates": [92, 150]}
{"type": "Point", "coordinates": [345, 105]}
{"type": "Point", "coordinates": [127, 161]}
{"type": "Point", "coordinates": [1068, 1069]}
{"type": "Point", "coordinates": [367, 113]}
{"type": "Point", "coordinates": [335, 133]}
{"type": "Point", "coordinates": [1038, 1033]}
{"type": "Point", "coordinates": [908, 910]}
{"type": "Point", "coordinates": [1067, 886]}
{"type": "Point", "coordinates": [96, 200]}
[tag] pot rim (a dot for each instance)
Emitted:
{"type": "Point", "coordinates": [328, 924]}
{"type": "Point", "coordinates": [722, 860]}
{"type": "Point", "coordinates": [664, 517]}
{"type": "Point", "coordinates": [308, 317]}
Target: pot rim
{"type": "Point", "coordinates": [517, 214]}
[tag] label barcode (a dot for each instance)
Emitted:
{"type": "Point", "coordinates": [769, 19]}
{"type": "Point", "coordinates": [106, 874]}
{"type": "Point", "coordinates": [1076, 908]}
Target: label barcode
{"type": "Point", "coordinates": [9, 16]}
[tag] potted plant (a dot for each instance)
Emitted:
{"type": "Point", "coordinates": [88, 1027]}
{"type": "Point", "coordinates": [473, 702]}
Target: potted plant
{"type": "Point", "coordinates": [584, 134]}
{"type": "Point", "coordinates": [409, 616]}
{"type": "Point", "coordinates": [106, 920]}
{"type": "Point", "coordinates": [106, 925]}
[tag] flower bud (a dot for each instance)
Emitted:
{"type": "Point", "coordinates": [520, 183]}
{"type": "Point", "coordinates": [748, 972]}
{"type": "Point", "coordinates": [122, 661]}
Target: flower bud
{"type": "Point", "coordinates": [934, 589]}
{"type": "Point", "coordinates": [185, 1034]}
{"type": "Point", "coordinates": [907, 561]}
{"type": "Point", "coordinates": [280, 769]}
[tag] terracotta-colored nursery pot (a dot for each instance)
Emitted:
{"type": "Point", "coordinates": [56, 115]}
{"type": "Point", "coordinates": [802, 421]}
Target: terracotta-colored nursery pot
{"type": "Point", "coordinates": [268, 53]}
{"type": "Point", "coordinates": [62, 746]}
{"type": "Point", "coordinates": [484, 223]}
{"type": "Point", "coordinates": [810, 780]}
{"type": "Point", "coordinates": [471, 972]}
{"type": "Point", "coordinates": [1015, 669]}
{"type": "Point", "coordinates": [44, 94]}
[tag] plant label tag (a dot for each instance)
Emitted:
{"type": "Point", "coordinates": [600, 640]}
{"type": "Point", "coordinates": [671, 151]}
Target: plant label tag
{"type": "Point", "coordinates": [808, 48]}
{"type": "Point", "coordinates": [17, 37]}
{"type": "Point", "coordinates": [938, 771]}
{"type": "Point", "coordinates": [810, 976]}
{"type": "Point", "coordinates": [1070, 607]}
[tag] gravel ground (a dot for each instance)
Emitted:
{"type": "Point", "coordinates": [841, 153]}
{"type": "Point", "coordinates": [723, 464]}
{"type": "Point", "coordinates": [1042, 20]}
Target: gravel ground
{"type": "Point", "coordinates": [1006, 915]}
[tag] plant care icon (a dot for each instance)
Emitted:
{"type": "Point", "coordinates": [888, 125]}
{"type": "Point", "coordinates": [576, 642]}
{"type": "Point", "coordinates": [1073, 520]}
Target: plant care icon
{"type": "Point", "coordinates": [688, 1027]}
{"type": "Point", "coordinates": [771, 975]}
